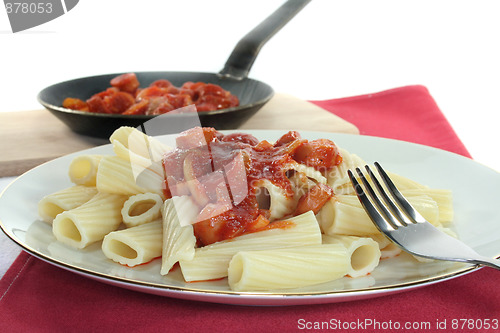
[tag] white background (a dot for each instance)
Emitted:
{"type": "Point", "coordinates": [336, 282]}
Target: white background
{"type": "Point", "coordinates": [331, 49]}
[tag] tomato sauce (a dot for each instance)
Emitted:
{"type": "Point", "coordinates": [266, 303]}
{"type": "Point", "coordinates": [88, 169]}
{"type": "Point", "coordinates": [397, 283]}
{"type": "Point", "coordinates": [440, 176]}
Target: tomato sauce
{"type": "Point", "coordinates": [126, 97]}
{"type": "Point", "coordinates": [213, 167]}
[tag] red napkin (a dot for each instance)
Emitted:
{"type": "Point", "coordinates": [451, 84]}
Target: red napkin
{"type": "Point", "coordinates": [407, 113]}
{"type": "Point", "coordinates": [35, 296]}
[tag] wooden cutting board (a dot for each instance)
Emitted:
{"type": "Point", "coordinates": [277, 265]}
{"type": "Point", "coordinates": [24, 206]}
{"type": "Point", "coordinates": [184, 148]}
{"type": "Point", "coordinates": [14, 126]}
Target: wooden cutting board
{"type": "Point", "coordinates": [30, 138]}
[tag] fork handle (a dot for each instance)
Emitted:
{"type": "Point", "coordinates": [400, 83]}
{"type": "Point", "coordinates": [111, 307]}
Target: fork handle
{"type": "Point", "coordinates": [493, 263]}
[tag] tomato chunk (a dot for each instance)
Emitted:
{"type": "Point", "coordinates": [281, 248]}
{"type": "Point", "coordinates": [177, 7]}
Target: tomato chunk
{"type": "Point", "coordinates": [75, 104]}
{"type": "Point", "coordinates": [161, 83]}
{"type": "Point", "coordinates": [314, 199]}
{"type": "Point", "coordinates": [321, 154]}
{"type": "Point", "coordinates": [118, 102]}
{"type": "Point", "coordinates": [126, 82]}
{"type": "Point", "coordinates": [138, 108]}
{"type": "Point", "coordinates": [241, 137]}
{"type": "Point", "coordinates": [287, 138]}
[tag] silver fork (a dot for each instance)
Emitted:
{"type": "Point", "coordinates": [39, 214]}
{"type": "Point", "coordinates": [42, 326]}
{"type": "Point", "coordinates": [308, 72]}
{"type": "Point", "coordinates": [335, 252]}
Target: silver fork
{"type": "Point", "coordinates": [399, 221]}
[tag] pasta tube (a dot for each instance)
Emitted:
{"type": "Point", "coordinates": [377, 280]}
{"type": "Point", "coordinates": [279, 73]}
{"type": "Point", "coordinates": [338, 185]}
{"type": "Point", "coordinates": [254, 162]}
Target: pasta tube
{"type": "Point", "coordinates": [390, 251]}
{"type": "Point", "coordinates": [287, 268]}
{"type": "Point", "coordinates": [140, 150]}
{"type": "Point", "coordinates": [115, 175]}
{"type": "Point", "coordinates": [363, 253]}
{"type": "Point", "coordinates": [301, 184]}
{"type": "Point", "coordinates": [89, 222]}
{"type": "Point", "coordinates": [141, 208]}
{"type": "Point", "coordinates": [381, 240]}
{"type": "Point", "coordinates": [134, 246]}
{"type": "Point", "coordinates": [55, 203]}
{"type": "Point", "coordinates": [138, 162]}
{"type": "Point", "coordinates": [139, 143]}
{"type": "Point", "coordinates": [336, 217]}
{"type": "Point", "coordinates": [178, 236]}
{"type": "Point", "coordinates": [337, 177]}
{"type": "Point", "coordinates": [83, 169]}
{"type": "Point", "coordinates": [344, 215]}
{"type": "Point", "coordinates": [404, 183]}
{"type": "Point", "coordinates": [443, 199]}
{"type": "Point", "coordinates": [308, 171]}
{"type": "Point", "coordinates": [273, 198]}
{"type": "Point", "coordinates": [212, 261]}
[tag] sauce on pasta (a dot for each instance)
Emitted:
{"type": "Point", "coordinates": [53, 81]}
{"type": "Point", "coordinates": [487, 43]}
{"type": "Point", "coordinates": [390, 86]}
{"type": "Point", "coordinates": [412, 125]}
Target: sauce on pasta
{"type": "Point", "coordinates": [213, 168]}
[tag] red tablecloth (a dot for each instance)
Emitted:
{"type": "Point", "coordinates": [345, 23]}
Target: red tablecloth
{"type": "Point", "coordinates": [35, 296]}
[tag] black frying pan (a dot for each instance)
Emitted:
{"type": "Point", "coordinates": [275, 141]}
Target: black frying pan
{"type": "Point", "coordinates": [233, 77]}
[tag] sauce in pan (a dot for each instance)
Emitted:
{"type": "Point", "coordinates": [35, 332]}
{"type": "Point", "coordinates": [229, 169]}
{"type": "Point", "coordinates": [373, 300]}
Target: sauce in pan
{"type": "Point", "coordinates": [125, 96]}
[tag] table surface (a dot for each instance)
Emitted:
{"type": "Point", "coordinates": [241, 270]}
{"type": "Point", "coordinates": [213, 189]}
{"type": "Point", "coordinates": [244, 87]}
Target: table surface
{"type": "Point", "coordinates": [329, 50]}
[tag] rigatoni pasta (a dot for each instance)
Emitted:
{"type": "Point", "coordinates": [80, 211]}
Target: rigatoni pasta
{"type": "Point", "coordinates": [309, 172]}
{"type": "Point", "coordinates": [83, 169]}
{"type": "Point", "coordinates": [116, 175]}
{"type": "Point", "coordinates": [363, 253]}
{"type": "Point", "coordinates": [179, 242]}
{"type": "Point", "coordinates": [274, 198]}
{"type": "Point", "coordinates": [55, 203]}
{"type": "Point", "coordinates": [134, 246]}
{"type": "Point", "coordinates": [345, 218]}
{"type": "Point", "coordinates": [212, 261]}
{"type": "Point", "coordinates": [139, 163]}
{"type": "Point", "coordinates": [90, 222]}
{"type": "Point", "coordinates": [391, 250]}
{"type": "Point", "coordinates": [141, 208]}
{"type": "Point", "coordinates": [139, 143]}
{"type": "Point", "coordinates": [266, 216]}
{"type": "Point", "coordinates": [286, 268]}
{"type": "Point", "coordinates": [337, 176]}
{"type": "Point", "coordinates": [442, 198]}
{"type": "Point", "coordinates": [345, 215]}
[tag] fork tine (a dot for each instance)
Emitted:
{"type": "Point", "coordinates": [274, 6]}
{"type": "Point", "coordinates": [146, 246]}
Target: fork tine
{"type": "Point", "coordinates": [400, 199]}
{"type": "Point", "coordinates": [401, 217]}
{"type": "Point", "coordinates": [380, 221]}
{"type": "Point", "coordinates": [386, 212]}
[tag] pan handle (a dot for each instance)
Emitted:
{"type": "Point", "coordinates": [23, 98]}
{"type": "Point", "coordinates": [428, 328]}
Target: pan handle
{"type": "Point", "coordinates": [244, 54]}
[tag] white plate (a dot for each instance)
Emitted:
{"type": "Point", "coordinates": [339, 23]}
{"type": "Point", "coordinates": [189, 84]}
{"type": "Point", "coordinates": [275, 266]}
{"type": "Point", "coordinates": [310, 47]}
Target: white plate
{"type": "Point", "coordinates": [477, 223]}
